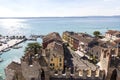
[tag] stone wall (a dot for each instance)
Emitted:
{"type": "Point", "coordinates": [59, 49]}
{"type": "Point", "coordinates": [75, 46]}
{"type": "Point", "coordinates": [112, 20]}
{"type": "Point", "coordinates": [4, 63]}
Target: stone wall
{"type": "Point", "coordinates": [80, 75]}
{"type": "Point", "coordinates": [9, 74]}
{"type": "Point", "coordinates": [31, 71]}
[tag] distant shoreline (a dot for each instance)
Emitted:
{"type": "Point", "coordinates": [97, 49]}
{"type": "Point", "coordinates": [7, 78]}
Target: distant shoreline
{"type": "Point", "coordinates": [61, 17]}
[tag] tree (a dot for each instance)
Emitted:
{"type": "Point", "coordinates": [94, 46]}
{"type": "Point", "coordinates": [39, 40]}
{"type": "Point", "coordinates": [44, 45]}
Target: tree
{"type": "Point", "coordinates": [33, 47]}
{"type": "Point", "coordinates": [96, 33]}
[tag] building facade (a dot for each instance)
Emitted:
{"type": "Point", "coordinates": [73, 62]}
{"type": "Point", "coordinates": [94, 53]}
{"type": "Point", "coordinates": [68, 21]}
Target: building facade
{"type": "Point", "coordinates": [112, 34]}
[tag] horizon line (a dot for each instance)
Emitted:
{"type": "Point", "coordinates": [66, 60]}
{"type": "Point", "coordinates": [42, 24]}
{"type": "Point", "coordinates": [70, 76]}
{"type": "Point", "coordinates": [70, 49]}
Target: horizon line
{"type": "Point", "coordinates": [60, 16]}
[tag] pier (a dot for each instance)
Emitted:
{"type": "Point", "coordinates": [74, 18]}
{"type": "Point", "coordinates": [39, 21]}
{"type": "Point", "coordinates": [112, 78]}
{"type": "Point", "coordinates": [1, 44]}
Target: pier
{"type": "Point", "coordinates": [34, 37]}
{"type": "Point", "coordinates": [10, 41]}
{"type": "Point", "coordinates": [10, 44]}
{"type": "Point", "coordinates": [37, 36]}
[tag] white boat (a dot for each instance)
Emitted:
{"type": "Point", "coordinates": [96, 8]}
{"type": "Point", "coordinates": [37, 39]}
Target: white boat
{"type": "Point", "coordinates": [1, 77]}
{"type": "Point", "coordinates": [17, 47]}
{"type": "Point", "coordinates": [5, 50]}
{"type": "Point", "coordinates": [1, 53]}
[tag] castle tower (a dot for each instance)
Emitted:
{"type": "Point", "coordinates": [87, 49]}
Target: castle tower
{"type": "Point", "coordinates": [105, 60]}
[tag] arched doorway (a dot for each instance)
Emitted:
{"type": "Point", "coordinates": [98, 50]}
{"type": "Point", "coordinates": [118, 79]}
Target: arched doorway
{"type": "Point", "coordinates": [114, 75]}
{"type": "Point", "coordinates": [32, 78]}
{"type": "Point", "coordinates": [42, 74]}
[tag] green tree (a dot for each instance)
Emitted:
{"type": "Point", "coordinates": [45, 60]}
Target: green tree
{"type": "Point", "coordinates": [33, 47]}
{"type": "Point", "coordinates": [96, 33]}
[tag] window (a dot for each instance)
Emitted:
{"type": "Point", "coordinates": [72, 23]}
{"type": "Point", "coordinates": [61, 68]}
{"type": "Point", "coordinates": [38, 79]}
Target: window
{"type": "Point", "coordinates": [104, 55]}
{"type": "Point", "coordinates": [92, 51]}
{"type": "Point", "coordinates": [60, 60]}
{"type": "Point", "coordinates": [51, 64]}
{"type": "Point", "coordinates": [60, 64]}
{"type": "Point", "coordinates": [107, 54]}
{"type": "Point", "coordinates": [97, 53]}
{"type": "Point", "coordinates": [51, 59]}
{"type": "Point", "coordinates": [32, 78]}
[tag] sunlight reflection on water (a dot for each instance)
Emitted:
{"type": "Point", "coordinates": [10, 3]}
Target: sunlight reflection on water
{"type": "Point", "coordinates": [13, 26]}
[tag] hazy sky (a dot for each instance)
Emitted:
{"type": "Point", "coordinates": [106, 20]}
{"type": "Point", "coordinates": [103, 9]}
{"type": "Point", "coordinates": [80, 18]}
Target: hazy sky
{"type": "Point", "coordinates": [41, 8]}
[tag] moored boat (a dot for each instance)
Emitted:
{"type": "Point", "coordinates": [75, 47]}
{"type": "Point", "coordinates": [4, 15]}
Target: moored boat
{"type": "Point", "coordinates": [17, 47]}
{"type": "Point", "coordinates": [1, 53]}
{"type": "Point", "coordinates": [1, 77]}
{"type": "Point", "coordinates": [6, 50]}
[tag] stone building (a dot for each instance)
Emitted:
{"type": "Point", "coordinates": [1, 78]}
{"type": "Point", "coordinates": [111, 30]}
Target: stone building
{"type": "Point", "coordinates": [71, 38]}
{"type": "Point", "coordinates": [77, 40]}
{"type": "Point", "coordinates": [14, 72]}
{"type": "Point", "coordinates": [112, 34]}
{"type": "Point", "coordinates": [54, 36]}
{"type": "Point", "coordinates": [56, 59]}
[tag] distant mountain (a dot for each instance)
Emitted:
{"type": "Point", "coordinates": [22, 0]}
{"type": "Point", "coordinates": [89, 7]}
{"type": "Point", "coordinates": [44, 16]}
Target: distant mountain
{"type": "Point", "coordinates": [116, 16]}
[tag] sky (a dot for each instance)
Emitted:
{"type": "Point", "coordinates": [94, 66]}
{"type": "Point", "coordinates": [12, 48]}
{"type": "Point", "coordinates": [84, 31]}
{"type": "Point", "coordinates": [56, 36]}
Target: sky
{"type": "Point", "coordinates": [58, 8]}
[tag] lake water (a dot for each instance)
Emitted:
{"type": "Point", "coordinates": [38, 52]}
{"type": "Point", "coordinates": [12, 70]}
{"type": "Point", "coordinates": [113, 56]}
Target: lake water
{"type": "Point", "coordinates": [47, 25]}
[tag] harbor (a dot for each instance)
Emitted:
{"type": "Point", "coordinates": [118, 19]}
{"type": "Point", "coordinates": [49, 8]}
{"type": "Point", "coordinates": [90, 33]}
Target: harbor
{"type": "Point", "coordinates": [9, 42]}
{"type": "Point", "coordinates": [6, 47]}
{"type": "Point", "coordinates": [13, 47]}
{"type": "Point", "coordinates": [12, 42]}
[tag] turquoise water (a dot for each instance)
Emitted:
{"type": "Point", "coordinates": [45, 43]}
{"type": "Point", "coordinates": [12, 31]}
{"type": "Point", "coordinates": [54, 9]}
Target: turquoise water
{"type": "Point", "coordinates": [47, 25]}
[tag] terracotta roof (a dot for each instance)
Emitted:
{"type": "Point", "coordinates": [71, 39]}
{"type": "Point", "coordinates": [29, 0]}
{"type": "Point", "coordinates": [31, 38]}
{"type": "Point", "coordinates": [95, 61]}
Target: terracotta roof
{"type": "Point", "coordinates": [96, 50]}
{"type": "Point", "coordinates": [107, 44]}
{"type": "Point", "coordinates": [52, 36]}
{"type": "Point", "coordinates": [56, 47]}
{"type": "Point", "coordinates": [80, 36]}
{"type": "Point", "coordinates": [86, 40]}
{"type": "Point", "coordinates": [14, 66]}
{"type": "Point", "coordinates": [69, 33]}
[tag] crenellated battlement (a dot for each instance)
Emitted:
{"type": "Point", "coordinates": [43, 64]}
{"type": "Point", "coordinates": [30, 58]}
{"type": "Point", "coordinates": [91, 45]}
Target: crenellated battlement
{"type": "Point", "coordinates": [81, 74]}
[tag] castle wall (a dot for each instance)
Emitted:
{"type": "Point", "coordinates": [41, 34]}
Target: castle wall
{"type": "Point", "coordinates": [80, 75]}
{"type": "Point", "coordinates": [31, 71]}
{"type": "Point", "coordinates": [9, 74]}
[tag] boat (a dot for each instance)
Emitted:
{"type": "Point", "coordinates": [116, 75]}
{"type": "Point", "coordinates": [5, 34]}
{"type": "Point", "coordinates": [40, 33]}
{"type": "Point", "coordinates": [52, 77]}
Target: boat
{"type": "Point", "coordinates": [32, 39]}
{"type": "Point", "coordinates": [1, 77]}
{"type": "Point", "coordinates": [17, 47]}
{"type": "Point", "coordinates": [1, 53]}
{"type": "Point", "coordinates": [6, 50]}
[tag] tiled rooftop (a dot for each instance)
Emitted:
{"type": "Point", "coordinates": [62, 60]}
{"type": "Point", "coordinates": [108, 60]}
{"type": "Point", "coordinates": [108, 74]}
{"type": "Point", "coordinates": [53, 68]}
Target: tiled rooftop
{"type": "Point", "coordinates": [80, 36]}
{"type": "Point", "coordinates": [56, 47]}
{"type": "Point", "coordinates": [51, 36]}
{"type": "Point", "coordinates": [112, 32]}
{"type": "Point", "coordinates": [14, 66]}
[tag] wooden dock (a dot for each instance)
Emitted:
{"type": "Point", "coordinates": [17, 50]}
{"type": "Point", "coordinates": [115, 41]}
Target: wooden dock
{"type": "Point", "coordinates": [34, 37]}
{"type": "Point", "coordinates": [11, 43]}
